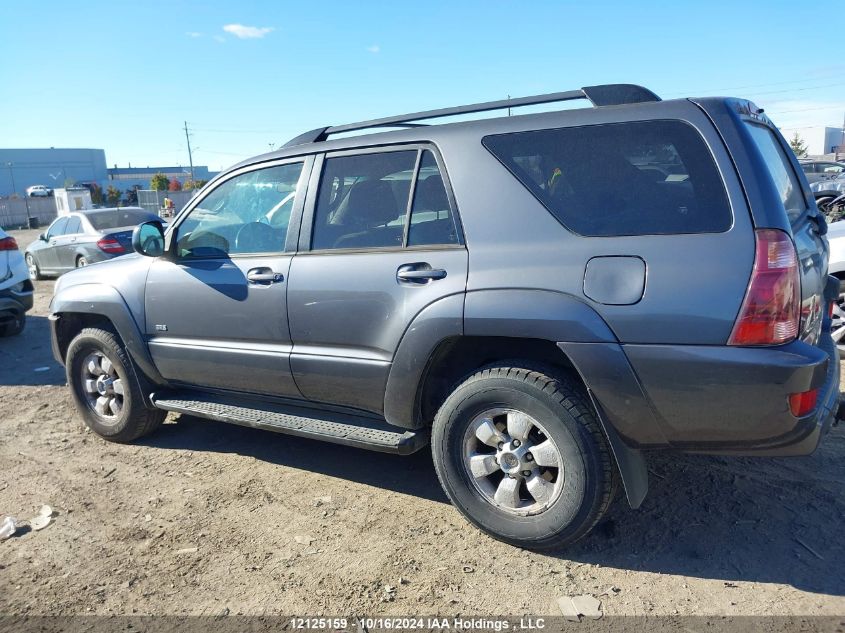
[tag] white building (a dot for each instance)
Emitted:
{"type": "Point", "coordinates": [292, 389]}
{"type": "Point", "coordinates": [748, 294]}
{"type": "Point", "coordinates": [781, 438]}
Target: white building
{"type": "Point", "coordinates": [819, 139]}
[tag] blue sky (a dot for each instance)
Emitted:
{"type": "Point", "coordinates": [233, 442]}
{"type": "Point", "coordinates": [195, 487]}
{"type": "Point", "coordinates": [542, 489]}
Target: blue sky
{"type": "Point", "coordinates": [123, 76]}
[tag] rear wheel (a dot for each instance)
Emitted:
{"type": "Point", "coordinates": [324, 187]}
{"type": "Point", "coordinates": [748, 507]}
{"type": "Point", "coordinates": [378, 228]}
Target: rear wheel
{"type": "Point", "coordinates": [521, 455]}
{"type": "Point", "coordinates": [13, 327]}
{"type": "Point", "coordinates": [81, 261]}
{"type": "Point", "coordinates": [105, 389]}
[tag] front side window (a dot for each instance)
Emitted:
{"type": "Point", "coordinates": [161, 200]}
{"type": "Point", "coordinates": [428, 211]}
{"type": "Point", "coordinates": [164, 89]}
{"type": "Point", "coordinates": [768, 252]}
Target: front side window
{"type": "Point", "coordinates": [363, 202]}
{"type": "Point", "coordinates": [634, 178]}
{"type": "Point", "coordinates": [57, 228]}
{"type": "Point", "coordinates": [247, 214]}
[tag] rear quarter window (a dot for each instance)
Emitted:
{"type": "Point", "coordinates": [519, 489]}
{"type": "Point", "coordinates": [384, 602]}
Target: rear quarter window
{"type": "Point", "coordinates": [780, 168]}
{"type": "Point", "coordinates": [635, 178]}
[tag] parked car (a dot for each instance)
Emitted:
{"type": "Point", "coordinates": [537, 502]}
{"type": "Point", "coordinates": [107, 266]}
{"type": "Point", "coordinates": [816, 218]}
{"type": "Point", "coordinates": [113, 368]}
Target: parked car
{"type": "Point", "coordinates": [836, 238]}
{"type": "Point", "coordinates": [38, 191]}
{"type": "Point", "coordinates": [544, 297]}
{"type": "Point", "coordinates": [15, 287]}
{"type": "Point", "coordinates": [77, 239]}
{"type": "Point", "coordinates": [820, 171]}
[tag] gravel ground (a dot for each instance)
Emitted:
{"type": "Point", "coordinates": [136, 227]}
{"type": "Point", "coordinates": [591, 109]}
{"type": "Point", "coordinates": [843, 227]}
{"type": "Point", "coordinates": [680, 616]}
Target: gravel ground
{"type": "Point", "coordinates": [206, 518]}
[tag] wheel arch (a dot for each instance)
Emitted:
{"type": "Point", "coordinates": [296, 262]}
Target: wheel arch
{"type": "Point", "coordinates": [98, 305]}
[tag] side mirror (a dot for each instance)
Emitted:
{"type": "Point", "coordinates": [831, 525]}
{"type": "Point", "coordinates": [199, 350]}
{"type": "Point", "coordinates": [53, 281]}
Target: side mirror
{"type": "Point", "coordinates": [43, 237]}
{"type": "Point", "coordinates": [148, 239]}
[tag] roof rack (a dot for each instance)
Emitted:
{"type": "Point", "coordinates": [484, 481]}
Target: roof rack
{"type": "Point", "coordinates": [603, 95]}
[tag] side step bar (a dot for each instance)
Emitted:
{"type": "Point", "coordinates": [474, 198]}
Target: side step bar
{"type": "Point", "coordinates": [328, 426]}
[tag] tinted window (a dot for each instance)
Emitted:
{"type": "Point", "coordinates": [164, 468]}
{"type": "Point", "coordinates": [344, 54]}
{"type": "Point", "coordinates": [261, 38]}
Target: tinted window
{"type": "Point", "coordinates": [638, 178]}
{"type": "Point", "coordinates": [57, 228]}
{"type": "Point", "coordinates": [73, 226]}
{"type": "Point", "coordinates": [363, 200]}
{"type": "Point", "coordinates": [780, 168]}
{"type": "Point", "coordinates": [119, 218]}
{"type": "Point", "coordinates": [246, 214]}
{"type": "Point", "coordinates": [431, 218]}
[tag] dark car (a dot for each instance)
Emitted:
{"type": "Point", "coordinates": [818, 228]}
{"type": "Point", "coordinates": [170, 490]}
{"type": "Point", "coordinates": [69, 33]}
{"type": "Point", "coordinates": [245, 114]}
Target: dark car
{"type": "Point", "coordinates": [84, 237]}
{"type": "Point", "coordinates": [544, 298]}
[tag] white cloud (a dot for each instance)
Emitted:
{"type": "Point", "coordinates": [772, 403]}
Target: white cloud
{"type": "Point", "coordinates": [193, 34]}
{"type": "Point", "coordinates": [375, 48]}
{"type": "Point", "coordinates": [247, 32]}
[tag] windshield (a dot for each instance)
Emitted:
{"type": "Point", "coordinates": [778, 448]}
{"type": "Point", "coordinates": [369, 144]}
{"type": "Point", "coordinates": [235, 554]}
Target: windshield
{"type": "Point", "coordinates": [117, 218]}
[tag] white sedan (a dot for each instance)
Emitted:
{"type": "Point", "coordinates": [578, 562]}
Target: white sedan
{"type": "Point", "coordinates": [38, 191]}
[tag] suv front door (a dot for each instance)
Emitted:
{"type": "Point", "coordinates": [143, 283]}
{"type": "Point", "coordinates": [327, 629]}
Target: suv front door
{"type": "Point", "coordinates": [380, 242]}
{"type": "Point", "coordinates": [215, 306]}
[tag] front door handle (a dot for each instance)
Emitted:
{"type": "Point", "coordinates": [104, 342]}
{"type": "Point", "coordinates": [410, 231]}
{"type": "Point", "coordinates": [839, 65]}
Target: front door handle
{"type": "Point", "coordinates": [419, 273]}
{"type": "Point", "coordinates": [264, 276]}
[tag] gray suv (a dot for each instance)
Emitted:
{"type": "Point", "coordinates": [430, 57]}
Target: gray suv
{"type": "Point", "coordinates": [542, 298]}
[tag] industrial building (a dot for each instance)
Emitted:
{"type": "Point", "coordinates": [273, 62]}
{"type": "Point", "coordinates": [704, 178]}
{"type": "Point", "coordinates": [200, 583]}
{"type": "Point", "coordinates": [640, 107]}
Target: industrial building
{"type": "Point", "coordinates": [819, 140]}
{"type": "Point", "coordinates": [58, 167]}
{"type": "Point", "coordinates": [52, 167]}
{"type": "Point", "coordinates": [124, 178]}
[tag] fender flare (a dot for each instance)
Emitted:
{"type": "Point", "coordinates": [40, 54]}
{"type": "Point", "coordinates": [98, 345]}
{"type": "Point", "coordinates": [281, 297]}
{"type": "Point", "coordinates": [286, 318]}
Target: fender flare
{"type": "Point", "coordinates": [106, 301]}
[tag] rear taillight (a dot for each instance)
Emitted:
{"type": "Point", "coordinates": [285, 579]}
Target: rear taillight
{"type": "Point", "coordinates": [8, 244]}
{"type": "Point", "coordinates": [110, 245]}
{"type": "Point", "coordinates": [771, 308]}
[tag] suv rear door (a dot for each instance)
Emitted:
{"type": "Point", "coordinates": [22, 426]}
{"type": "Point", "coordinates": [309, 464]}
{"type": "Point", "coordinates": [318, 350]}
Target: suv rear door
{"type": "Point", "coordinates": [216, 311]}
{"type": "Point", "coordinates": [380, 242]}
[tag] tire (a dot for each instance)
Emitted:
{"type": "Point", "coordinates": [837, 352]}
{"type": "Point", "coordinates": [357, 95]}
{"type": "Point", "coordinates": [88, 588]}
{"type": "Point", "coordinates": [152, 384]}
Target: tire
{"type": "Point", "coordinates": [129, 419]}
{"type": "Point", "coordinates": [34, 270]}
{"type": "Point", "coordinates": [14, 328]}
{"type": "Point", "coordinates": [81, 261]}
{"type": "Point", "coordinates": [574, 496]}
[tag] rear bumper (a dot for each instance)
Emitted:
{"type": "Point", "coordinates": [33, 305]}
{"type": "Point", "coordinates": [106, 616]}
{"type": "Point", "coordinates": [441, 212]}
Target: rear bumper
{"type": "Point", "coordinates": [735, 400]}
{"type": "Point", "coordinates": [13, 305]}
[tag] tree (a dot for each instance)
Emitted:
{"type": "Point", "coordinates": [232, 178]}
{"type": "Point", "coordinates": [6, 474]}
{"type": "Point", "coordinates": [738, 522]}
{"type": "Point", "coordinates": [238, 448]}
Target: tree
{"type": "Point", "coordinates": [113, 195]}
{"type": "Point", "coordinates": [174, 185]}
{"type": "Point", "coordinates": [159, 182]}
{"type": "Point", "coordinates": [132, 195]}
{"type": "Point", "coordinates": [798, 146]}
{"type": "Point", "coordinates": [96, 193]}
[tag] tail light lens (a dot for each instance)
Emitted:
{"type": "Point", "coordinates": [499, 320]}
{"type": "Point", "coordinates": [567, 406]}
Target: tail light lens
{"type": "Point", "coordinates": [110, 245]}
{"type": "Point", "coordinates": [771, 309]}
{"type": "Point", "coordinates": [8, 244]}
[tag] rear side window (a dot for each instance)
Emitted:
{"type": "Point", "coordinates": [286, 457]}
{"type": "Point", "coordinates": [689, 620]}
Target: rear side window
{"type": "Point", "coordinates": [781, 170]}
{"type": "Point", "coordinates": [637, 178]}
{"type": "Point", "coordinates": [363, 202]}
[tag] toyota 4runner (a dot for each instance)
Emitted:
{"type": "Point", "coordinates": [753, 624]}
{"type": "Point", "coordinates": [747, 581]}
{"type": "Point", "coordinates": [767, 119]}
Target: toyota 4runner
{"type": "Point", "coordinates": [544, 298]}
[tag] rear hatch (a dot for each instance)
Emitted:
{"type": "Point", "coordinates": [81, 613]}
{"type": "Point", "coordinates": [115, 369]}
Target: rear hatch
{"type": "Point", "coordinates": [807, 224]}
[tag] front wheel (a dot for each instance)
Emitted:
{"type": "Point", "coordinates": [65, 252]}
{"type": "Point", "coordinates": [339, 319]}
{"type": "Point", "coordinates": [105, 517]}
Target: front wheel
{"type": "Point", "coordinates": [81, 262]}
{"type": "Point", "coordinates": [32, 266]}
{"type": "Point", "coordinates": [837, 321]}
{"type": "Point", "coordinates": [105, 389]}
{"type": "Point", "coordinates": [520, 453]}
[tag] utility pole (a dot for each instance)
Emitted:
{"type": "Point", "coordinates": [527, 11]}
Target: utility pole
{"type": "Point", "coordinates": [509, 110]}
{"type": "Point", "coordinates": [190, 158]}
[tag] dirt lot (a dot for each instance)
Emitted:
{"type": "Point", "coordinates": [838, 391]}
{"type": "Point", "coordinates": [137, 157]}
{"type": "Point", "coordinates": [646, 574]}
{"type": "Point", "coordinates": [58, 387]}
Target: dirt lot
{"type": "Point", "coordinates": [205, 518]}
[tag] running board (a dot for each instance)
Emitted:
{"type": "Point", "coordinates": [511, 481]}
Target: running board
{"type": "Point", "coordinates": [328, 426]}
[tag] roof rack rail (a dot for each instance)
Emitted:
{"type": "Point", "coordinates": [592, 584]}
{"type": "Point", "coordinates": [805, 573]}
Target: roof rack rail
{"type": "Point", "coordinates": [603, 95]}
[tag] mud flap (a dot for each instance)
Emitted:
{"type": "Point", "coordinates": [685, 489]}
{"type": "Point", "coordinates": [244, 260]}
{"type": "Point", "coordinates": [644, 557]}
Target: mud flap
{"type": "Point", "coordinates": [631, 463]}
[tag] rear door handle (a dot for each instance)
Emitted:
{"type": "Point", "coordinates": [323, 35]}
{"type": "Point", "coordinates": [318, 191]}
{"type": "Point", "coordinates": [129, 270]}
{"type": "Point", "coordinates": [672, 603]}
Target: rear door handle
{"type": "Point", "coordinates": [419, 273]}
{"type": "Point", "coordinates": [263, 276]}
